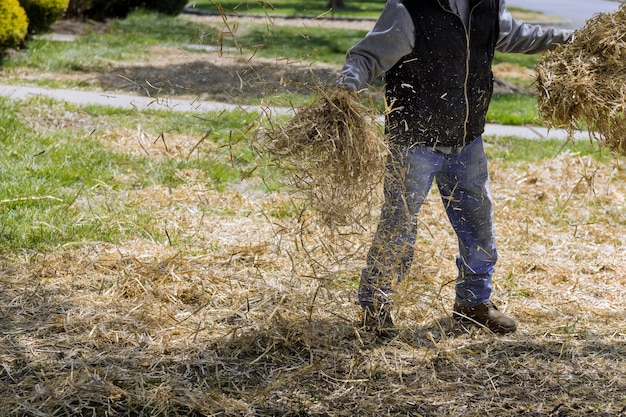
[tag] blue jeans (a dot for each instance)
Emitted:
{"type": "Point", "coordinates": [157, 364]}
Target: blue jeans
{"type": "Point", "coordinates": [463, 183]}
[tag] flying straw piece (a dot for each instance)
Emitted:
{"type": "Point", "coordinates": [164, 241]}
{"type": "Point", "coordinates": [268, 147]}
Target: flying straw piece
{"type": "Point", "coordinates": [334, 151]}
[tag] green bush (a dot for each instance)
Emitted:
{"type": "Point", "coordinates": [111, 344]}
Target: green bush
{"type": "Point", "coordinates": [13, 24]}
{"type": "Point", "coordinates": [43, 13]}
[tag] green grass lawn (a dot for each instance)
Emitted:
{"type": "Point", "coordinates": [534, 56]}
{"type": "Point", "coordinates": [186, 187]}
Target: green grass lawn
{"type": "Point", "coordinates": [58, 181]}
{"type": "Point", "coordinates": [127, 41]}
{"type": "Point", "coordinates": [297, 43]}
{"type": "Point", "coordinates": [513, 109]}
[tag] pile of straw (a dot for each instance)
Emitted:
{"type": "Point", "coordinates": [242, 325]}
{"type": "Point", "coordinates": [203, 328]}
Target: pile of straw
{"type": "Point", "coordinates": [584, 81]}
{"type": "Point", "coordinates": [334, 151]}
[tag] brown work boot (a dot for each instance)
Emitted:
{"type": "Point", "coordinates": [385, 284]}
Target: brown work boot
{"type": "Point", "coordinates": [486, 315]}
{"type": "Point", "coordinates": [379, 321]}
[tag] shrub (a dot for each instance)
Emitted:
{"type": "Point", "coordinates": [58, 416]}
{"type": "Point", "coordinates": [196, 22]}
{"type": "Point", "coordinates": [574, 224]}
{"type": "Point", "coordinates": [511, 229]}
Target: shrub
{"type": "Point", "coordinates": [43, 13]}
{"type": "Point", "coordinates": [13, 24]}
{"type": "Point", "coordinates": [118, 9]}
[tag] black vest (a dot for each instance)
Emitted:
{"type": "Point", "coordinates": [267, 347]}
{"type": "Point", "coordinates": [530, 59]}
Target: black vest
{"type": "Point", "coordinates": [438, 94]}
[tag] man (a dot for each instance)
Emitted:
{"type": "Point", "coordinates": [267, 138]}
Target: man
{"type": "Point", "coordinates": [436, 58]}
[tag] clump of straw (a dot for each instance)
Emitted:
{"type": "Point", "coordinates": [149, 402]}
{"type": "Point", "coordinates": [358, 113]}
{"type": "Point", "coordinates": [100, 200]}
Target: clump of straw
{"type": "Point", "coordinates": [584, 81]}
{"type": "Point", "coordinates": [334, 153]}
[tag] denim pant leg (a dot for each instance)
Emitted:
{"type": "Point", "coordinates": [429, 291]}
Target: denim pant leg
{"type": "Point", "coordinates": [464, 188]}
{"type": "Point", "coordinates": [409, 176]}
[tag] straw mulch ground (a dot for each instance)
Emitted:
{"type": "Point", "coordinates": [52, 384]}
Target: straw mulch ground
{"type": "Point", "coordinates": [583, 83]}
{"type": "Point", "coordinates": [250, 314]}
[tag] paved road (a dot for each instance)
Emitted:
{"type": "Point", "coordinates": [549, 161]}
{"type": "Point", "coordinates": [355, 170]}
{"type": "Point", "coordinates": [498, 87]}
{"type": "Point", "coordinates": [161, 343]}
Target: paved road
{"type": "Point", "coordinates": [575, 11]}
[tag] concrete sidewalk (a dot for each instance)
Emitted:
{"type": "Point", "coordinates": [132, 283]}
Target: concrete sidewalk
{"type": "Point", "coordinates": [531, 132]}
{"type": "Point", "coordinates": [126, 101]}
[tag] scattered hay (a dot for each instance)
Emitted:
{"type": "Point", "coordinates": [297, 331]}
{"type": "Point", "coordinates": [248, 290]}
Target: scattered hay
{"type": "Point", "coordinates": [241, 316]}
{"type": "Point", "coordinates": [335, 153]}
{"type": "Point", "coordinates": [584, 81]}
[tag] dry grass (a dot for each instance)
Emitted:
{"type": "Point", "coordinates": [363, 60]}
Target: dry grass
{"type": "Point", "coordinates": [333, 152]}
{"type": "Point", "coordinates": [245, 314]}
{"type": "Point", "coordinates": [584, 82]}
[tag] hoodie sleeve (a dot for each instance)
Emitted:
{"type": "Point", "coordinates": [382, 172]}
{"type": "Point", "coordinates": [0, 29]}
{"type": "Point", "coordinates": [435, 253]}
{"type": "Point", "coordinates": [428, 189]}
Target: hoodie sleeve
{"type": "Point", "coordinates": [392, 37]}
{"type": "Point", "coordinates": [519, 37]}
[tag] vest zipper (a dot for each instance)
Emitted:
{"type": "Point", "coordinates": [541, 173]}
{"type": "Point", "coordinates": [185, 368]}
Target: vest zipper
{"type": "Point", "coordinates": [467, 62]}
